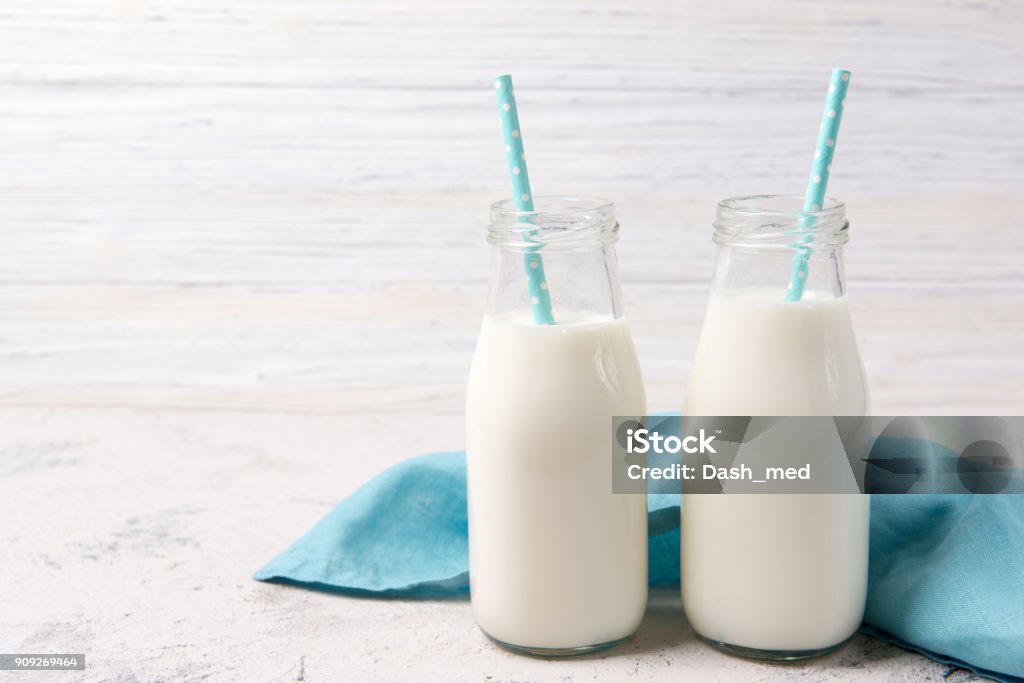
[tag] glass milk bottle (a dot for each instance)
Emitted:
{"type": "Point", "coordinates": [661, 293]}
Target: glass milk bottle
{"type": "Point", "coordinates": [558, 563]}
{"type": "Point", "coordinates": [776, 576]}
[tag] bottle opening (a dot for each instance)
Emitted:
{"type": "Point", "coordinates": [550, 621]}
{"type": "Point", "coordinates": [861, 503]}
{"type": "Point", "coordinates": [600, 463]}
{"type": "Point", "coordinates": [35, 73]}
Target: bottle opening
{"type": "Point", "coordinates": [779, 222]}
{"type": "Point", "coordinates": [555, 223]}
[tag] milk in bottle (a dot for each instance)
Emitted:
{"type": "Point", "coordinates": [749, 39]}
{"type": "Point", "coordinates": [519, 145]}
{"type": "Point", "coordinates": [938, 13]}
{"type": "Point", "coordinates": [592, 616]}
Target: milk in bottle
{"type": "Point", "coordinates": [558, 563]}
{"type": "Point", "coordinates": [775, 576]}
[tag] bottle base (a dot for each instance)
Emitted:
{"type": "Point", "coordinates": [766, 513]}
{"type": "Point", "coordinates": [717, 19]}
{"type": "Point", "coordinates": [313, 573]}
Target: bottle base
{"type": "Point", "coordinates": [556, 652]}
{"type": "Point", "coordinates": [772, 655]}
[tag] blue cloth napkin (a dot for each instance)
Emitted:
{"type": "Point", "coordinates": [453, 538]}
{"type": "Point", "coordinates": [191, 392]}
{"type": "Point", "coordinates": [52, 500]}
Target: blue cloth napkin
{"type": "Point", "coordinates": [946, 573]}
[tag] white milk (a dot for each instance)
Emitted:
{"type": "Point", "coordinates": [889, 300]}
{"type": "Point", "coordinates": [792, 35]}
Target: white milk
{"type": "Point", "coordinates": [557, 561]}
{"type": "Point", "coordinates": [775, 572]}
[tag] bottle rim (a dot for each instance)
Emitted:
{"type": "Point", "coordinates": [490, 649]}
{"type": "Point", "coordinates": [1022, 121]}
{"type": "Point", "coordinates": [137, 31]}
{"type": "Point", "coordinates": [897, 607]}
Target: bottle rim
{"type": "Point", "coordinates": [779, 221]}
{"type": "Point", "coordinates": [556, 222]}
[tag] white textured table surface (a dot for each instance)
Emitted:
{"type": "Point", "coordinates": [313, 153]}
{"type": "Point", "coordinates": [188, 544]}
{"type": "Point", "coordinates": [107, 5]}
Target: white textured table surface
{"type": "Point", "coordinates": [244, 240]}
{"type": "Point", "coordinates": [148, 572]}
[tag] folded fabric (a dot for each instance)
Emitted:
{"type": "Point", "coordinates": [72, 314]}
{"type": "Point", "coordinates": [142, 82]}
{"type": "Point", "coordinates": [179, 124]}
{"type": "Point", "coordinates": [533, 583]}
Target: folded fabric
{"type": "Point", "coordinates": [946, 575]}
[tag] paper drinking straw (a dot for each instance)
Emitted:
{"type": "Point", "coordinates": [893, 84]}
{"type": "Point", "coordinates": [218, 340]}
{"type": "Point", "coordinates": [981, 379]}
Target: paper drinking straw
{"type": "Point", "coordinates": [540, 300]}
{"type": "Point", "coordinates": [814, 199]}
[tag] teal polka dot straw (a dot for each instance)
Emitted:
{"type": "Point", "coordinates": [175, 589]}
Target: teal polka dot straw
{"type": "Point", "coordinates": [537, 286]}
{"type": "Point", "coordinates": [814, 199]}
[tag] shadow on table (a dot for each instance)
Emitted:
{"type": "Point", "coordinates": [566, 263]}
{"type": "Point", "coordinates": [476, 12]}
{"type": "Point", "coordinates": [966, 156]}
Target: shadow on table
{"type": "Point", "coordinates": [664, 628]}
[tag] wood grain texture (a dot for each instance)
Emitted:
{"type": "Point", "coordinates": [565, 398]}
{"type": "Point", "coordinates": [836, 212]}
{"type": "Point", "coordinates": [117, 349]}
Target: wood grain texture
{"type": "Point", "coordinates": [236, 232]}
{"type": "Point", "coordinates": [233, 204]}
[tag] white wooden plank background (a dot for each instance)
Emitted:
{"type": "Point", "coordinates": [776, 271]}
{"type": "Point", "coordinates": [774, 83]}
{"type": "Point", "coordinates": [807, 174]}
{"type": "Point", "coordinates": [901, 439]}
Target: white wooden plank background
{"type": "Point", "coordinates": [234, 231]}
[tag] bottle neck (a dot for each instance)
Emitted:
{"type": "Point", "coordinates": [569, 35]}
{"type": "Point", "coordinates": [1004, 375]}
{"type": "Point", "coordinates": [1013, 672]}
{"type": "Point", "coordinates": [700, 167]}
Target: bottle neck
{"type": "Point", "coordinates": [768, 271]}
{"type": "Point", "coordinates": [564, 250]}
{"type": "Point", "coordinates": [760, 238]}
{"type": "Point", "coordinates": [583, 284]}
